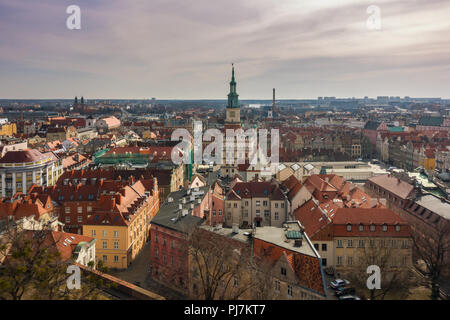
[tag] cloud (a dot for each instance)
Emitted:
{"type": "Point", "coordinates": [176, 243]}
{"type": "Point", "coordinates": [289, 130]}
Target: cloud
{"type": "Point", "coordinates": [182, 49]}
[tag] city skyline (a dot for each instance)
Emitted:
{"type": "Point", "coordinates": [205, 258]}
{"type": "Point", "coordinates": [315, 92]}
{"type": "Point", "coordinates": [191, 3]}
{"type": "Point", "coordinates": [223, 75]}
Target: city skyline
{"type": "Point", "coordinates": [183, 50]}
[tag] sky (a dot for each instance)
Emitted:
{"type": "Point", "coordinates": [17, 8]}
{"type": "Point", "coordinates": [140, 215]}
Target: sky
{"type": "Point", "coordinates": [183, 49]}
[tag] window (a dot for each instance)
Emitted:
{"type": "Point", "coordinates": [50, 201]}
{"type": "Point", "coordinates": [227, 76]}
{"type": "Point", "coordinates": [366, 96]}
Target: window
{"type": "Point", "coordinates": [384, 228]}
{"type": "Point", "coordinates": [245, 213]}
{"type": "Point", "coordinates": [116, 258]}
{"type": "Point", "coordinates": [324, 262]}
{"type": "Point", "coordinates": [349, 243]}
{"type": "Point", "coordinates": [277, 286]}
{"type": "Point", "coordinates": [265, 203]}
{"type": "Point", "coordinates": [372, 243]}
{"type": "Point", "coordinates": [67, 209]}
{"type": "Point", "coordinates": [235, 282]}
{"type": "Point", "coordinates": [164, 258]}
{"type": "Point", "coordinates": [105, 245]}
{"type": "Point", "coordinates": [282, 205]}
{"type": "Point", "coordinates": [289, 291]}
{"type": "Point", "coordinates": [405, 260]}
{"type": "Point", "coordinates": [339, 260]}
{"type": "Point", "coordinates": [266, 213]}
{"type": "Point", "coordinates": [246, 203]}
{"type": "Point", "coordinates": [283, 271]}
{"type": "Point", "coordinates": [104, 233]}
{"type": "Point", "coordinates": [324, 247]}
{"type": "Point", "coordinates": [116, 245]}
{"type": "Point", "coordinates": [105, 258]}
{"type": "Point", "coordinates": [397, 228]}
{"type": "Point", "coordinates": [276, 204]}
{"type": "Point", "coordinates": [89, 209]}
{"type": "Point", "coordinates": [404, 244]}
{"type": "Point", "coordinates": [80, 219]}
{"type": "Point", "coordinates": [361, 227]}
{"type": "Point", "coordinates": [350, 261]}
{"type": "Point", "coordinates": [172, 244]}
{"type": "Point", "coordinates": [214, 213]}
{"type": "Point", "coordinates": [349, 227]}
{"type": "Point", "coordinates": [316, 246]}
{"type": "Point", "coordinates": [372, 227]}
{"type": "Point", "coordinates": [156, 253]}
{"type": "Point", "coordinates": [258, 212]}
{"type": "Point", "coordinates": [235, 205]}
{"type": "Point", "coordinates": [93, 233]}
{"type": "Point", "coordinates": [80, 209]}
{"type": "Point", "coordinates": [361, 243]}
{"type": "Point", "coordinates": [164, 242]}
{"type": "Point", "coordinates": [220, 212]}
{"type": "Point", "coordinates": [276, 216]}
{"type": "Point", "coordinates": [67, 219]}
{"type": "Point", "coordinates": [339, 243]}
{"type": "Point", "coordinates": [258, 203]}
{"type": "Point", "coordinates": [116, 234]}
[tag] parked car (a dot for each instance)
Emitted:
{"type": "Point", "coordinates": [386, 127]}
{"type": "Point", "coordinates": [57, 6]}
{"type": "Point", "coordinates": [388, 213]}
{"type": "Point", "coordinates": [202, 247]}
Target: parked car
{"type": "Point", "coordinates": [343, 291]}
{"type": "Point", "coordinates": [349, 297]}
{"type": "Point", "coordinates": [339, 283]}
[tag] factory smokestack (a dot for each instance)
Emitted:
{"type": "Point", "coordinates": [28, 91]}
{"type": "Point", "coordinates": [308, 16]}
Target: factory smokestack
{"type": "Point", "coordinates": [273, 102]}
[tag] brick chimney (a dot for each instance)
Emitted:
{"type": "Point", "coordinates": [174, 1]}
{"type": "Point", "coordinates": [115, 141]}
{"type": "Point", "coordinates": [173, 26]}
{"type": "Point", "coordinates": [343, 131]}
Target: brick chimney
{"type": "Point", "coordinates": [112, 202]}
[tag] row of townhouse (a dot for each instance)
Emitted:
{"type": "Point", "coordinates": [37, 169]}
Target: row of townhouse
{"type": "Point", "coordinates": [117, 213]}
{"type": "Point", "coordinates": [352, 143]}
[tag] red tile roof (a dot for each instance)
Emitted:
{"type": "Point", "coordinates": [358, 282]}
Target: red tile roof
{"type": "Point", "coordinates": [65, 243]}
{"type": "Point", "coordinates": [256, 189]}
{"type": "Point", "coordinates": [21, 156]}
{"type": "Point", "coordinates": [367, 217]}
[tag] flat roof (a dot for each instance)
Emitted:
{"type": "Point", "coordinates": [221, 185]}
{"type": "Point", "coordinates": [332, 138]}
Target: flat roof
{"type": "Point", "coordinates": [277, 236]}
{"type": "Point", "coordinates": [435, 204]}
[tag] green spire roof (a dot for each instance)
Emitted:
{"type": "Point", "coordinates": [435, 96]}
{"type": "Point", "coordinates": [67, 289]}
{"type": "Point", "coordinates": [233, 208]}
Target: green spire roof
{"type": "Point", "coordinates": [233, 101]}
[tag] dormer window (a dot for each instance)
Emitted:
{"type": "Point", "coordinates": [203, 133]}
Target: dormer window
{"type": "Point", "coordinates": [384, 228]}
{"type": "Point", "coordinates": [372, 227]}
{"type": "Point", "coordinates": [361, 227]}
{"type": "Point", "coordinates": [349, 227]}
{"type": "Point", "coordinates": [397, 228]}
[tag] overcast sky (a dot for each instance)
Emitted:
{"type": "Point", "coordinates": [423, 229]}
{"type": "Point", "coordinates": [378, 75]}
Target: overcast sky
{"type": "Point", "coordinates": [182, 49]}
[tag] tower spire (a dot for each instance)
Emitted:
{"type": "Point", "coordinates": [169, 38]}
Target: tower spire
{"type": "Point", "coordinates": [233, 101]}
{"type": "Point", "coordinates": [232, 72]}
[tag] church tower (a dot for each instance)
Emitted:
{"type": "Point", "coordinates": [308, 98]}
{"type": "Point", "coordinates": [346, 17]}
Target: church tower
{"type": "Point", "coordinates": [233, 112]}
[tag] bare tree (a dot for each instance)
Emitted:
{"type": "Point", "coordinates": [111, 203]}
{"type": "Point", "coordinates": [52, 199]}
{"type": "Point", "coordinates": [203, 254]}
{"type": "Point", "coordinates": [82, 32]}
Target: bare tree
{"type": "Point", "coordinates": [263, 281]}
{"type": "Point", "coordinates": [395, 279]}
{"type": "Point", "coordinates": [222, 267]}
{"type": "Point", "coordinates": [432, 246]}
